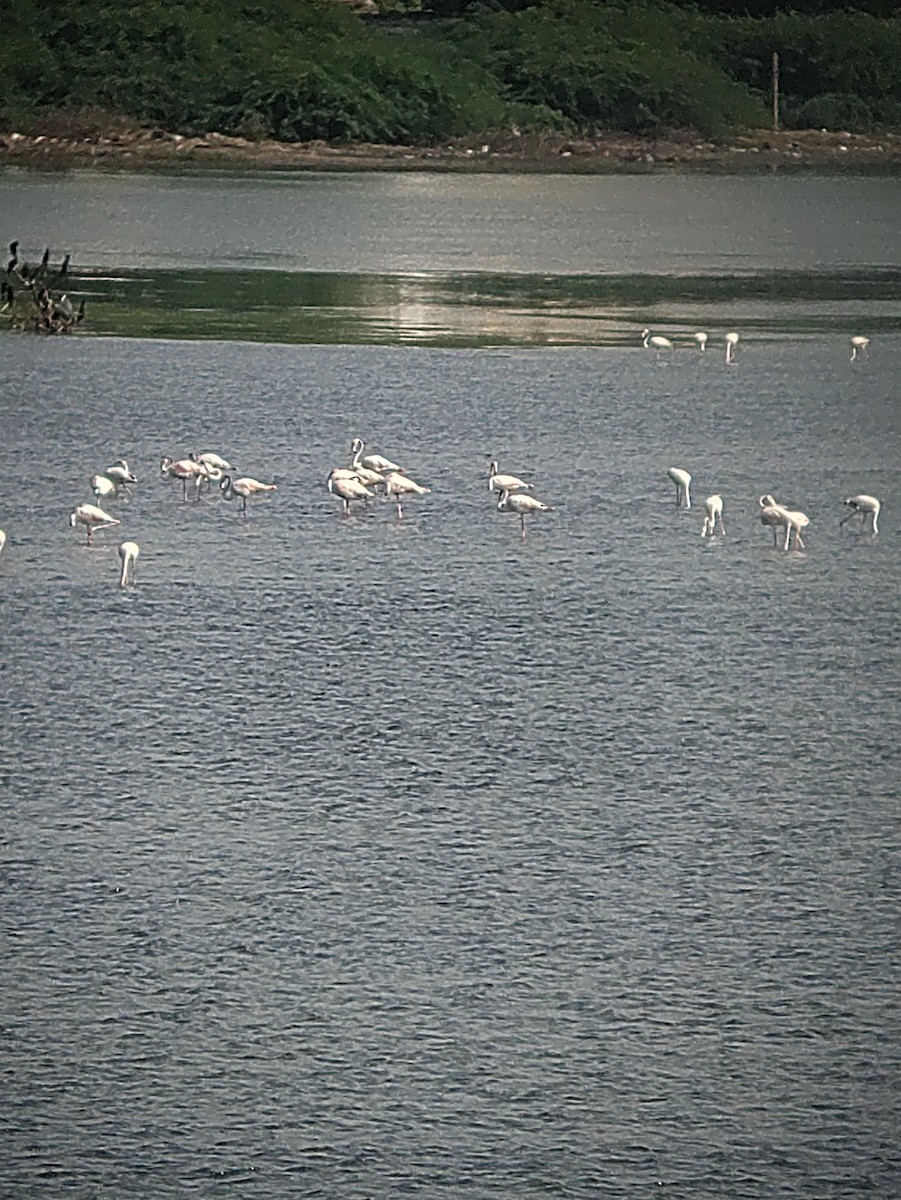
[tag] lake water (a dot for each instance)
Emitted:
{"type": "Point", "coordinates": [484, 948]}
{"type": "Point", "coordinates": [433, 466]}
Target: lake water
{"type": "Point", "coordinates": [357, 857]}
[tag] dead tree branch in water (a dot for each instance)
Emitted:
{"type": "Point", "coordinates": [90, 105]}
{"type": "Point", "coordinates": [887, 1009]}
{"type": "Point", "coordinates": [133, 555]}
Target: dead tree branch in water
{"type": "Point", "coordinates": [29, 299]}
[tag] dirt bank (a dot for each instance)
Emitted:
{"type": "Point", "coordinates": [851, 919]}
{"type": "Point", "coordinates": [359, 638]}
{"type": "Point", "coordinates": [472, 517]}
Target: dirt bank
{"type": "Point", "coordinates": [142, 149]}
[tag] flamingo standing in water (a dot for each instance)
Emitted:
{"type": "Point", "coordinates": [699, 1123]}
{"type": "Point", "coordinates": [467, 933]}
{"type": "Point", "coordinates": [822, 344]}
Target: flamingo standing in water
{"type": "Point", "coordinates": [655, 341]}
{"type": "Point", "coordinates": [184, 470]}
{"type": "Point", "coordinates": [701, 339]}
{"type": "Point", "coordinates": [859, 347]}
{"type": "Point", "coordinates": [372, 462]}
{"type": "Point", "coordinates": [682, 480]}
{"type": "Point", "coordinates": [128, 553]}
{"type": "Point", "coordinates": [92, 518]}
{"type": "Point", "coordinates": [865, 506]}
{"type": "Point", "coordinates": [714, 508]}
{"type": "Point", "coordinates": [400, 485]}
{"type": "Point", "coordinates": [504, 483]}
{"type": "Point", "coordinates": [523, 506]}
{"type": "Point", "coordinates": [245, 488]}
{"type": "Point", "coordinates": [777, 516]}
{"type": "Point", "coordinates": [731, 343]}
{"type": "Point", "coordinates": [347, 486]}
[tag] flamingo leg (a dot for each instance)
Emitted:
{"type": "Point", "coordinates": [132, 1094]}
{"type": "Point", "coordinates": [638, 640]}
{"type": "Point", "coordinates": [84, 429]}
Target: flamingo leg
{"type": "Point", "coordinates": [522, 525]}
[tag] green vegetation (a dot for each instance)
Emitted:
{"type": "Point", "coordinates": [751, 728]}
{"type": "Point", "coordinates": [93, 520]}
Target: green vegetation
{"type": "Point", "coordinates": [299, 70]}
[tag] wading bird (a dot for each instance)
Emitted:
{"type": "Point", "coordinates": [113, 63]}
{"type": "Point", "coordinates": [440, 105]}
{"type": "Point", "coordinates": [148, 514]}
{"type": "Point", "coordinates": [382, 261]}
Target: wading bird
{"type": "Point", "coordinates": [245, 488]}
{"type": "Point", "coordinates": [731, 343]}
{"type": "Point", "coordinates": [682, 480]}
{"type": "Point", "coordinates": [656, 342]}
{"type": "Point", "coordinates": [372, 462]}
{"type": "Point", "coordinates": [859, 347]}
{"type": "Point", "coordinates": [777, 517]}
{"type": "Point", "coordinates": [2, 540]}
{"type": "Point", "coordinates": [714, 508]}
{"type": "Point", "coordinates": [504, 483]}
{"type": "Point", "coordinates": [523, 506]}
{"type": "Point", "coordinates": [865, 506]}
{"type": "Point", "coordinates": [92, 518]}
{"type": "Point", "coordinates": [184, 470]}
{"type": "Point", "coordinates": [701, 339]}
{"type": "Point", "coordinates": [348, 487]}
{"type": "Point", "coordinates": [128, 554]}
{"type": "Point", "coordinates": [104, 487]}
{"type": "Point", "coordinates": [399, 485]}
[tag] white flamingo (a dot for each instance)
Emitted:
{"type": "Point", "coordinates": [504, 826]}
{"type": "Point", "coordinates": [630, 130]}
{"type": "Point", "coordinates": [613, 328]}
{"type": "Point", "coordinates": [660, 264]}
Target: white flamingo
{"type": "Point", "coordinates": [865, 506]}
{"type": "Point", "coordinates": [504, 483]}
{"type": "Point", "coordinates": [859, 347]}
{"type": "Point", "coordinates": [655, 341]}
{"type": "Point", "coordinates": [128, 553]}
{"type": "Point", "coordinates": [523, 506]}
{"type": "Point", "coordinates": [731, 343]}
{"type": "Point", "coordinates": [119, 473]}
{"type": "Point", "coordinates": [184, 469]}
{"type": "Point", "coordinates": [348, 487]}
{"type": "Point", "coordinates": [245, 488]}
{"type": "Point", "coordinates": [104, 487]}
{"type": "Point", "coordinates": [92, 518]}
{"type": "Point", "coordinates": [714, 509]}
{"type": "Point", "coordinates": [372, 462]}
{"type": "Point", "coordinates": [400, 485]}
{"type": "Point", "coordinates": [701, 339]}
{"type": "Point", "coordinates": [777, 516]}
{"type": "Point", "coordinates": [682, 480]}
{"type": "Point", "coordinates": [209, 459]}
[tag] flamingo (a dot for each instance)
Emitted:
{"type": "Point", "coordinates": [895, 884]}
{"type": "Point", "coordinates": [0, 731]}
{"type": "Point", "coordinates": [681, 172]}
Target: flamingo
{"type": "Point", "coordinates": [372, 462]}
{"type": "Point", "coordinates": [778, 516]}
{"type": "Point", "coordinates": [731, 343]}
{"type": "Point", "coordinates": [348, 487]}
{"type": "Point", "coordinates": [184, 470]}
{"type": "Point", "coordinates": [523, 506]}
{"type": "Point", "coordinates": [657, 342]}
{"type": "Point", "coordinates": [92, 518]}
{"type": "Point", "coordinates": [682, 480]}
{"type": "Point", "coordinates": [128, 553]}
{"type": "Point", "coordinates": [865, 506]}
{"type": "Point", "coordinates": [504, 483]}
{"type": "Point", "coordinates": [120, 474]}
{"type": "Point", "coordinates": [701, 339]}
{"type": "Point", "coordinates": [104, 486]}
{"type": "Point", "coordinates": [714, 507]}
{"type": "Point", "coordinates": [209, 459]}
{"type": "Point", "coordinates": [399, 485]}
{"type": "Point", "coordinates": [245, 488]}
{"type": "Point", "coordinates": [859, 347]}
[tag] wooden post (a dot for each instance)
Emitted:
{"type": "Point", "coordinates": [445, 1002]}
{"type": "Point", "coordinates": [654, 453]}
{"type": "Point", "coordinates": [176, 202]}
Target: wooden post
{"type": "Point", "coordinates": [775, 92]}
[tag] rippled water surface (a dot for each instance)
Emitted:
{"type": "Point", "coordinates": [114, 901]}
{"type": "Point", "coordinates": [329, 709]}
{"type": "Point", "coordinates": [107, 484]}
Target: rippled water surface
{"type": "Point", "coordinates": [359, 857]}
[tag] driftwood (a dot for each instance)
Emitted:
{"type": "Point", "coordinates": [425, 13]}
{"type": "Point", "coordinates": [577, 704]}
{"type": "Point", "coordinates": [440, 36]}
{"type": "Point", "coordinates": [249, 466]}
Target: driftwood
{"type": "Point", "coordinates": [30, 299]}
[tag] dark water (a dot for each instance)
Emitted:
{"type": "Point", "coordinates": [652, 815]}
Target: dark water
{"type": "Point", "coordinates": [362, 858]}
{"type": "Point", "coordinates": [463, 261]}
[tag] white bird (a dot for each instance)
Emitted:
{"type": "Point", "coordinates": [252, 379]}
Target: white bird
{"type": "Point", "coordinates": [209, 459]}
{"type": "Point", "coordinates": [504, 483]}
{"type": "Point", "coordinates": [859, 347]}
{"type": "Point", "coordinates": [128, 553]}
{"type": "Point", "coordinates": [372, 462]}
{"type": "Point", "coordinates": [2, 540]}
{"type": "Point", "coordinates": [682, 480]}
{"type": "Point", "coordinates": [103, 486]}
{"type": "Point", "coordinates": [348, 487]}
{"type": "Point", "coordinates": [777, 516]}
{"type": "Point", "coordinates": [523, 506]}
{"type": "Point", "coordinates": [701, 339]}
{"type": "Point", "coordinates": [245, 488]}
{"type": "Point", "coordinates": [657, 342]}
{"type": "Point", "coordinates": [120, 474]}
{"type": "Point", "coordinates": [714, 508]}
{"type": "Point", "coordinates": [731, 343]}
{"type": "Point", "coordinates": [92, 518]}
{"type": "Point", "coordinates": [867, 507]}
{"type": "Point", "coordinates": [399, 485]}
{"type": "Point", "coordinates": [184, 469]}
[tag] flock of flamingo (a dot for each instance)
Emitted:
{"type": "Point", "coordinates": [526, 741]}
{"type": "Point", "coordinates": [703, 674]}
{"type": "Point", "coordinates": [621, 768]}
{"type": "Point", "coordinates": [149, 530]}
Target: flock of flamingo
{"type": "Point", "coordinates": [369, 476]}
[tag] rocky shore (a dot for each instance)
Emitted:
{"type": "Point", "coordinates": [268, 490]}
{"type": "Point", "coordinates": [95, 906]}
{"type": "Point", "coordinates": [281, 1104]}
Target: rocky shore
{"type": "Point", "coordinates": [147, 149]}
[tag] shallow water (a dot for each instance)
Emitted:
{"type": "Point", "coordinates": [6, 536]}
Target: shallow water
{"type": "Point", "coordinates": [357, 856]}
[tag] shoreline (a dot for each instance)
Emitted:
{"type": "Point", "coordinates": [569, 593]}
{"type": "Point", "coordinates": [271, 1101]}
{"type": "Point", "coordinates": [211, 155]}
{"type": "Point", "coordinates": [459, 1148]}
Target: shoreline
{"type": "Point", "coordinates": [137, 149]}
